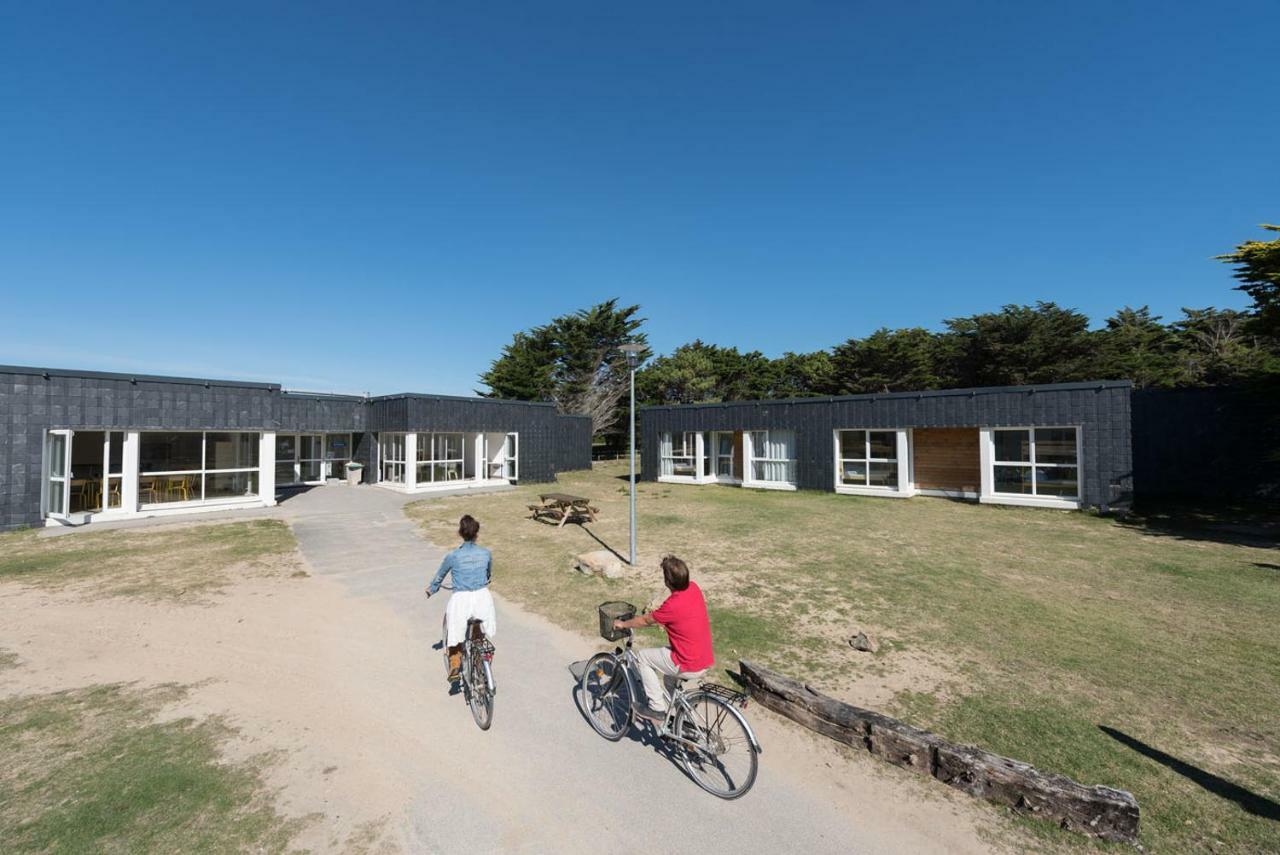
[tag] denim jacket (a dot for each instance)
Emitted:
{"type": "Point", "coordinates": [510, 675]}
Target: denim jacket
{"type": "Point", "coordinates": [470, 565]}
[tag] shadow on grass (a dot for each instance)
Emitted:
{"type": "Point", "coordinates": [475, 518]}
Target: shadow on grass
{"type": "Point", "coordinates": [1254, 524]}
{"type": "Point", "coordinates": [1262, 565]}
{"type": "Point", "coordinates": [615, 552]}
{"type": "Point", "coordinates": [1250, 801]}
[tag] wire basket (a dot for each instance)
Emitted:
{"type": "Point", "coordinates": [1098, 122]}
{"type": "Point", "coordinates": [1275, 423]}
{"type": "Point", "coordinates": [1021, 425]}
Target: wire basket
{"type": "Point", "coordinates": [609, 612]}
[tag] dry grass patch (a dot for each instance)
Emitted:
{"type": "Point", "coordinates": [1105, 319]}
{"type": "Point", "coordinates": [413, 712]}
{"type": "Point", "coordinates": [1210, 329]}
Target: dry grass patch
{"type": "Point", "coordinates": [185, 562]}
{"type": "Point", "coordinates": [92, 770]}
{"type": "Point", "coordinates": [1023, 630]}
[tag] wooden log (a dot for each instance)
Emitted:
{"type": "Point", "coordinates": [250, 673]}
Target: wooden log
{"type": "Point", "coordinates": [1097, 811]}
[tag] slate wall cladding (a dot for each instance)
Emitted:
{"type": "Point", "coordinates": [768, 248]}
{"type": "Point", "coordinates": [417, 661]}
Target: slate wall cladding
{"type": "Point", "coordinates": [1226, 444]}
{"type": "Point", "coordinates": [549, 443]}
{"type": "Point", "coordinates": [33, 400]}
{"type": "Point", "coordinates": [1102, 410]}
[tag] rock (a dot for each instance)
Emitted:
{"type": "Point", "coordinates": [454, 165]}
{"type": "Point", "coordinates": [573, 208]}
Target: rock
{"type": "Point", "coordinates": [602, 562]}
{"type": "Point", "coordinates": [861, 642]}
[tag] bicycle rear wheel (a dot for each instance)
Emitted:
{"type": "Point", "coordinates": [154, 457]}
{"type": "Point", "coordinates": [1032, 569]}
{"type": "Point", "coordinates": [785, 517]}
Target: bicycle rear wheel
{"type": "Point", "coordinates": [479, 698]}
{"type": "Point", "coordinates": [605, 695]}
{"type": "Point", "coordinates": [722, 760]}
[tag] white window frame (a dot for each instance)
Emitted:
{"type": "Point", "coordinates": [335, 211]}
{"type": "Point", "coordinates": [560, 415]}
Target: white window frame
{"type": "Point", "coordinates": [989, 494]}
{"type": "Point", "coordinates": [432, 443]}
{"type": "Point", "coordinates": [203, 472]}
{"type": "Point", "coordinates": [902, 449]}
{"type": "Point", "coordinates": [693, 455]}
{"type": "Point", "coordinates": [389, 454]}
{"type": "Point", "coordinates": [749, 459]}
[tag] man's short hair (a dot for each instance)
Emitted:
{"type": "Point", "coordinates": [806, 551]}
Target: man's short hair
{"type": "Point", "coordinates": [675, 573]}
{"type": "Point", "coordinates": [468, 527]}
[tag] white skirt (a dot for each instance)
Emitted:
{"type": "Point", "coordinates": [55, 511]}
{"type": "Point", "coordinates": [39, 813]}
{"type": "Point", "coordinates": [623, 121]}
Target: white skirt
{"type": "Point", "coordinates": [462, 607]}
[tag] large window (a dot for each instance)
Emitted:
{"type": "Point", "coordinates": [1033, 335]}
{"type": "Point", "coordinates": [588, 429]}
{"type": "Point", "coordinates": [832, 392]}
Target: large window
{"type": "Point", "coordinates": [869, 458]}
{"type": "Point", "coordinates": [1036, 462]}
{"type": "Point", "coordinates": [196, 466]}
{"type": "Point", "coordinates": [440, 457]}
{"type": "Point", "coordinates": [773, 457]}
{"type": "Point", "coordinates": [679, 453]}
{"type": "Point", "coordinates": [391, 446]}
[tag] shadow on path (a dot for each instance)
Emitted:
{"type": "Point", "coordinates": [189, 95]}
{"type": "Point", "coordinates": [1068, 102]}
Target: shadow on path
{"type": "Point", "coordinates": [1221, 787]}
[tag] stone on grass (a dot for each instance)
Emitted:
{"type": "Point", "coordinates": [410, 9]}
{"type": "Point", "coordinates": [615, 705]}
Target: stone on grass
{"type": "Point", "coordinates": [602, 562]}
{"type": "Point", "coordinates": [863, 643]}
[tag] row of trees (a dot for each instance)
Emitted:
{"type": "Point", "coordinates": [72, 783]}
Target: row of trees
{"type": "Point", "coordinates": [574, 360]}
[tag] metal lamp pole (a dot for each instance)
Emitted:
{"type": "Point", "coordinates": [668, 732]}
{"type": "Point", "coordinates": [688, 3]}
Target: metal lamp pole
{"type": "Point", "coordinates": [633, 358]}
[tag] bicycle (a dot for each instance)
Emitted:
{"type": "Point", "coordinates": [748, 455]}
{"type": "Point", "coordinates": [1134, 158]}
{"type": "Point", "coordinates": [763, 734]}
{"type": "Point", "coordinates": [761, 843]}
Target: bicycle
{"type": "Point", "coordinates": [476, 673]}
{"type": "Point", "coordinates": [714, 743]}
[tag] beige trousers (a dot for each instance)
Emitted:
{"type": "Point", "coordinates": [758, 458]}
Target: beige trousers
{"type": "Point", "coordinates": [656, 668]}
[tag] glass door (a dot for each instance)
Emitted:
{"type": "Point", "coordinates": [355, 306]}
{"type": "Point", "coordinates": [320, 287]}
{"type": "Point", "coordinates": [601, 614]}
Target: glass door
{"type": "Point", "coordinates": [310, 457]}
{"type": "Point", "coordinates": [113, 467]}
{"type": "Point", "coordinates": [512, 458]}
{"type": "Point", "coordinates": [57, 457]}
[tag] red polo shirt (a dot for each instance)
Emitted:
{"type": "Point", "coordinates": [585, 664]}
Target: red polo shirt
{"type": "Point", "coordinates": [684, 616]}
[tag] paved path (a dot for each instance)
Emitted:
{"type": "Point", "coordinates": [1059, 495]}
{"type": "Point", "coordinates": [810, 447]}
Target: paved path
{"type": "Point", "coordinates": [549, 784]}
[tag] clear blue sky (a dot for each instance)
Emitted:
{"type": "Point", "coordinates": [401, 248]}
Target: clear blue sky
{"type": "Point", "coordinates": [376, 196]}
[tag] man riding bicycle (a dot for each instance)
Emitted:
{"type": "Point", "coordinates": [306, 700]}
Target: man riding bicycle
{"type": "Point", "coordinates": [471, 566]}
{"type": "Point", "coordinates": [684, 616]}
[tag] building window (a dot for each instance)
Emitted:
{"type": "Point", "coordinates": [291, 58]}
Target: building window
{"type": "Point", "coordinates": [1036, 462]}
{"type": "Point", "coordinates": [196, 466]}
{"type": "Point", "coordinates": [391, 451]}
{"type": "Point", "coordinates": [773, 457]}
{"type": "Point", "coordinates": [868, 458]}
{"type": "Point", "coordinates": [723, 444]}
{"type": "Point", "coordinates": [440, 457]}
{"type": "Point", "coordinates": [679, 452]}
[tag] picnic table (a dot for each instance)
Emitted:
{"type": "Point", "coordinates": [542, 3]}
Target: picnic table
{"type": "Point", "coordinates": [562, 506]}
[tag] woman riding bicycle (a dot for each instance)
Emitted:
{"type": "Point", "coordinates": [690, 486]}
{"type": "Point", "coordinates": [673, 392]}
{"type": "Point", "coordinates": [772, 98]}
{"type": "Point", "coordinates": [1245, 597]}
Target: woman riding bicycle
{"type": "Point", "coordinates": [471, 566]}
{"type": "Point", "coordinates": [684, 616]}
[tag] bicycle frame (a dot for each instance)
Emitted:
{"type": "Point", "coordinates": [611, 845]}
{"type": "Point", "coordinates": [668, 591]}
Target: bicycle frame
{"type": "Point", "coordinates": [679, 700]}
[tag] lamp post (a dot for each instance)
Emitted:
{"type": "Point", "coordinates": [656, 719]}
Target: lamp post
{"type": "Point", "coordinates": [633, 351]}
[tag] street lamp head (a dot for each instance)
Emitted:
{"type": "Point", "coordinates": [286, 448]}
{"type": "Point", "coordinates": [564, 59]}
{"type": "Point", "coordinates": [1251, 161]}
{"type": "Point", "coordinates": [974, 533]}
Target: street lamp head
{"type": "Point", "coordinates": [633, 351]}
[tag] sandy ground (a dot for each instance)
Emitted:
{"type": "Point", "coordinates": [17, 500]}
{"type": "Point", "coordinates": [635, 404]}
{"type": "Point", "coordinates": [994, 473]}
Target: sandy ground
{"type": "Point", "coordinates": [344, 691]}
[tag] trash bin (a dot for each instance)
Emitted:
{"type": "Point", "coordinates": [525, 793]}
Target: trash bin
{"type": "Point", "coordinates": [354, 472]}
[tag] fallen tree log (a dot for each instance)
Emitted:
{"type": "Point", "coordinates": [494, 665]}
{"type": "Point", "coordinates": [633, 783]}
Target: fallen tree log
{"type": "Point", "coordinates": [1098, 811]}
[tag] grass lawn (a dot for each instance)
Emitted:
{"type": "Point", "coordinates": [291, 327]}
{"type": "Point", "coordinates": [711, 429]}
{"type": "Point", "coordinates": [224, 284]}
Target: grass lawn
{"type": "Point", "coordinates": [186, 561]}
{"type": "Point", "coordinates": [1112, 653]}
{"type": "Point", "coordinates": [92, 771]}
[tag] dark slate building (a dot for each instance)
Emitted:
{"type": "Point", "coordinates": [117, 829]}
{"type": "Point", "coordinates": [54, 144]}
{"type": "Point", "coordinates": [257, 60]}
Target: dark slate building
{"type": "Point", "coordinates": [1064, 445]}
{"type": "Point", "coordinates": [76, 446]}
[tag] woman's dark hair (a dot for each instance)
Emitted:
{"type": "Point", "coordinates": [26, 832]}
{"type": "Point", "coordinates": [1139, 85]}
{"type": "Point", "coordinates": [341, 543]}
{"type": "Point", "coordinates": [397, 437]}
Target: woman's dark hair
{"type": "Point", "coordinates": [675, 573]}
{"type": "Point", "coordinates": [468, 527]}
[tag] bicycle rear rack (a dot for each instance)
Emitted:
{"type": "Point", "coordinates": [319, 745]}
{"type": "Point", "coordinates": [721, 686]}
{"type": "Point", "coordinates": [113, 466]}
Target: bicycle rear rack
{"type": "Point", "coordinates": [724, 693]}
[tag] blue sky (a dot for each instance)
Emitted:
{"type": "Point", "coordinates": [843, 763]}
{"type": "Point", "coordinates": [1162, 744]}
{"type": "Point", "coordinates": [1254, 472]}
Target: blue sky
{"type": "Point", "coordinates": [374, 197]}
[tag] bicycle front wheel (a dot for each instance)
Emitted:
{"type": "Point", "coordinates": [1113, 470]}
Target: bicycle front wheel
{"type": "Point", "coordinates": [479, 698]}
{"type": "Point", "coordinates": [605, 695]}
{"type": "Point", "coordinates": [718, 754]}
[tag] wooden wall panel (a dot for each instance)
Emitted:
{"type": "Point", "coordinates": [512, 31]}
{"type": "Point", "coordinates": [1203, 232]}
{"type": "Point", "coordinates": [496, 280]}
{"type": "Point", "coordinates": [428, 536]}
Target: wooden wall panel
{"type": "Point", "coordinates": [947, 459]}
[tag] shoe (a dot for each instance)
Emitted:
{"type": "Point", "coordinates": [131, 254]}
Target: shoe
{"type": "Point", "coordinates": [455, 667]}
{"type": "Point", "coordinates": [650, 714]}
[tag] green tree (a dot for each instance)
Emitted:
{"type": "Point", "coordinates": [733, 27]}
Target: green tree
{"type": "Point", "coordinates": [1215, 348]}
{"type": "Point", "coordinates": [685, 376]}
{"type": "Point", "coordinates": [572, 361]}
{"type": "Point", "coordinates": [1021, 345]}
{"type": "Point", "coordinates": [801, 375]}
{"type": "Point", "coordinates": [1258, 269]}
{"type": "Point", "coordinates": [1135, 346]}
{"type": "Point", "coordinates": [901, 360]}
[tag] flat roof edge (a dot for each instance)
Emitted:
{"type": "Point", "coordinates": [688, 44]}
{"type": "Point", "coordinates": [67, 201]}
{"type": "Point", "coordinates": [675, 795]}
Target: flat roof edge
{"type": "Point", "coordinates": [427, 396]}
{"type": "Point", "coordinates": [924, 393]}
{"type": "Point", "coordinates": [134, 378]}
